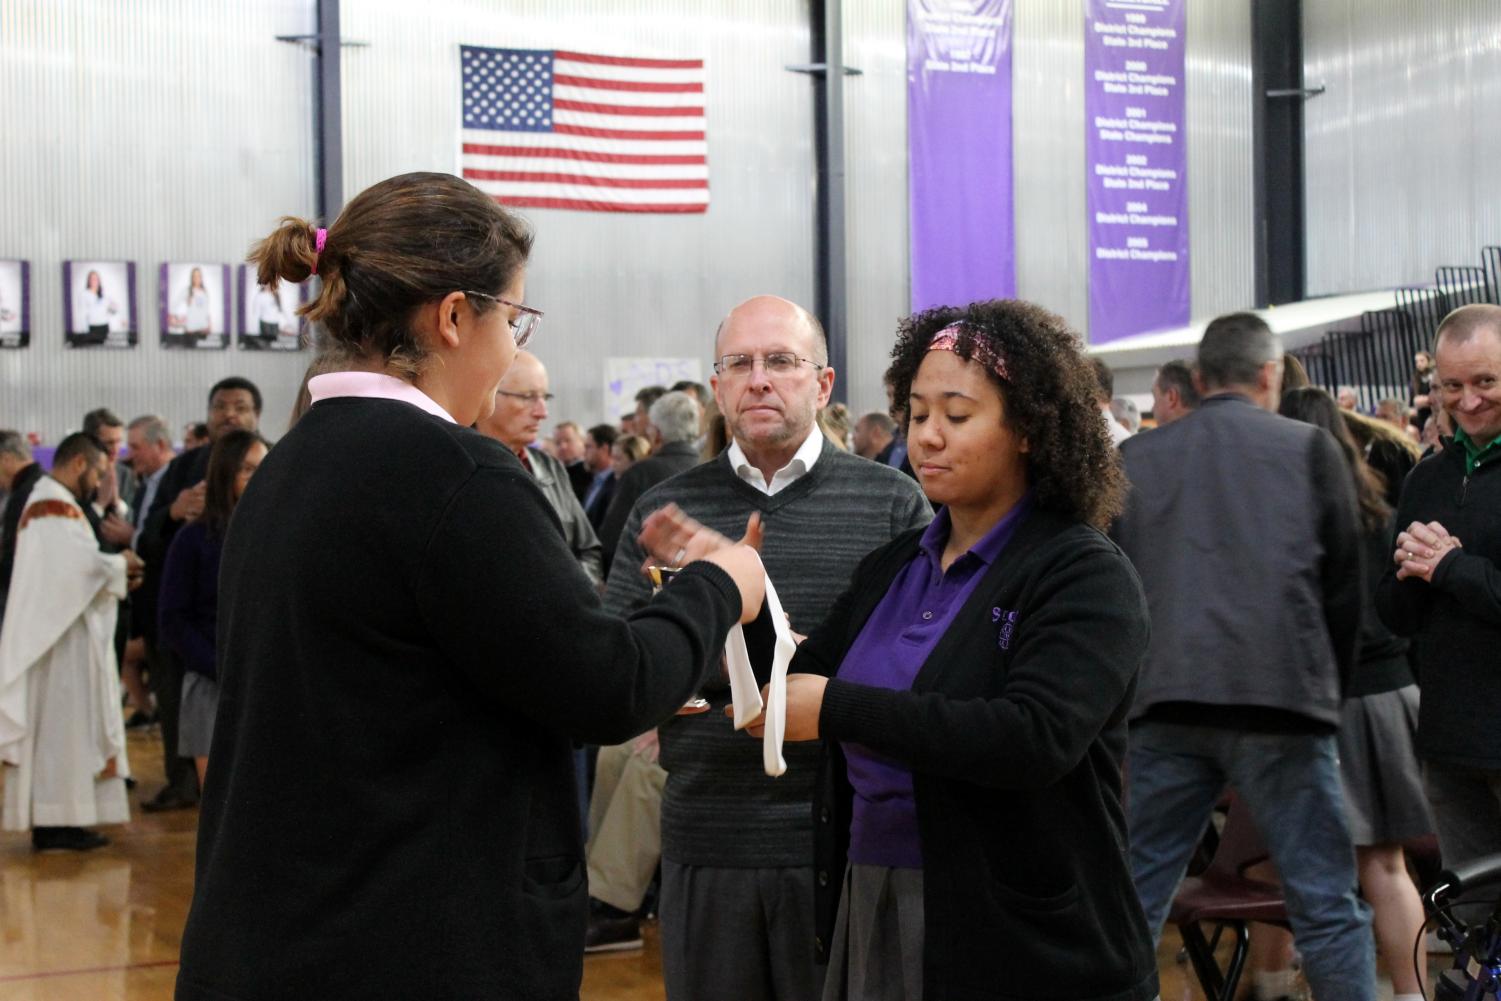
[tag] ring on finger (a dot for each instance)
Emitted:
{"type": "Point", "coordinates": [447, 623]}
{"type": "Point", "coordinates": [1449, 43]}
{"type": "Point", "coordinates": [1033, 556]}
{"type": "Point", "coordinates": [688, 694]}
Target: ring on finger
{"type": "Point", "coordinates": [678, 559]}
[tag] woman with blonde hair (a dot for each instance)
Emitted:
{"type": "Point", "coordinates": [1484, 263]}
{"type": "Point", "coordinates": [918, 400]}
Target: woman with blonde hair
{"type": "Point", "coordinates": [1388, 450]}
{"type": "Point", "coordinates": [834, 422]}
{"type": "Point", "coordinates": [628, 450]}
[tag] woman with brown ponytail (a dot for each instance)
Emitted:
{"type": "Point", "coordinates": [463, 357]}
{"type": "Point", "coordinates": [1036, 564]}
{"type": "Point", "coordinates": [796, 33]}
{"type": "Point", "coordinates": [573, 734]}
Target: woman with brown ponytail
{"type": "Point", "coordinates": [407, 650]}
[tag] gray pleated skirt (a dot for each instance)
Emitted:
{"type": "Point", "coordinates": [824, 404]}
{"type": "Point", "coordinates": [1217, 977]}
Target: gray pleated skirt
{"type": "Point", "coordinates": [195, 715]}
{"type": "Point", "coordinates": [876, 954]}
{"type": "Point", "coordinates": [1379, 765]}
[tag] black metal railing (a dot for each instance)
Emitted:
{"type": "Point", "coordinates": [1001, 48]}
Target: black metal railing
{"type": "Point", "coordinates": [1490, 258]}
{"type": "Point", "coordinates": [1376, 359]}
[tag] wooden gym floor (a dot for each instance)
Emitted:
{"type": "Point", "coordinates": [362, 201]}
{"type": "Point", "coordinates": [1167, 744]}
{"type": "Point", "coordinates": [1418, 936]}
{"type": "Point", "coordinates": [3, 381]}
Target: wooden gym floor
{"type": "Point", "coordinates": [107, 925]}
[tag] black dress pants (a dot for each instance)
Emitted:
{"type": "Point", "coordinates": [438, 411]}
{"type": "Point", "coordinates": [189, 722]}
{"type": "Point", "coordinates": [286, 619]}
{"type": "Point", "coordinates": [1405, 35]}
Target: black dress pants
{"type": "Point", "coordinates": [166, 686]}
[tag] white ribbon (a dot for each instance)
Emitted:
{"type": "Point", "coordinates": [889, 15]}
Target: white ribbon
{"type": "Point", "coordinates": [747, 694]}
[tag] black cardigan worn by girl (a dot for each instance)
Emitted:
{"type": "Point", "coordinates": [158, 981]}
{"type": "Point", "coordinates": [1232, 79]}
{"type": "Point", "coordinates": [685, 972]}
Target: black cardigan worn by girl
{"type": "Point", "coordinates": [1015, 733]}
{"type": "Point", "coordinates": [407, 650]}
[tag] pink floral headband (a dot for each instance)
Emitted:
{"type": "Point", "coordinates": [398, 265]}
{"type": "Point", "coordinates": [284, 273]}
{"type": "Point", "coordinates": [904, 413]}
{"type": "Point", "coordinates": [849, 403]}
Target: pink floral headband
{"type": "Point", "coordinates": [318, 250]}
{"type": "Point", "coordinates": [947, 339]}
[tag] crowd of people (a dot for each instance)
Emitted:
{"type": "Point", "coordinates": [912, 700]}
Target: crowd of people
{"type": "Point", "coordinates": [145, 604]}
{"type": "Point", "coordinates": [1041, 637]}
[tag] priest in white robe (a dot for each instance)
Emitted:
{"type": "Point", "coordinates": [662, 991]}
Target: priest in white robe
{"type": "Point", "coordinates": [62, 739]}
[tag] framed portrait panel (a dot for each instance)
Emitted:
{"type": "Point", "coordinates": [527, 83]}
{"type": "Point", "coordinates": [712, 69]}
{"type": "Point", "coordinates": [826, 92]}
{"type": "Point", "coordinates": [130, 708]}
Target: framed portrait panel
{"type": "Point", "coordinates": [15, 304]}
{"type": "Point", "coordinates": [195, 305]}
{"type": "Point", "coordinates": [268, 316]}
{"type": "Point", "coordinates": [99, 304]}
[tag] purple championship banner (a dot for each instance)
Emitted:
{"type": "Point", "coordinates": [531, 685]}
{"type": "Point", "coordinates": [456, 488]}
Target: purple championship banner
{"type": "Point", "coordinates": [959, 151]}
{"type": "Point", "coordinates": [1136, 166]}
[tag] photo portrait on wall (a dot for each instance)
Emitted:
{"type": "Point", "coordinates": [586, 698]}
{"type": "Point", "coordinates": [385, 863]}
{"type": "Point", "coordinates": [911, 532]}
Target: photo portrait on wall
{"type": "Point", "coordinates": [99, 303]}
{"type": "Point", "coordinates": [194, 305]}
{"type": "Point", "coordinates": [268, 316]}
{"type": "Point", "coordinates": [15, 304]}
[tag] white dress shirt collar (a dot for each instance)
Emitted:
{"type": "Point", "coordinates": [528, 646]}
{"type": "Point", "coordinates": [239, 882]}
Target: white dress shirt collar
{"type": "Point", "coordinates": [802, 463]}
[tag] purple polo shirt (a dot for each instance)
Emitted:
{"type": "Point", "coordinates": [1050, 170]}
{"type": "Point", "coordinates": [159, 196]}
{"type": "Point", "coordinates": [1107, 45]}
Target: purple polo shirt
{"type": "Point", "coordinates": [897, 640]}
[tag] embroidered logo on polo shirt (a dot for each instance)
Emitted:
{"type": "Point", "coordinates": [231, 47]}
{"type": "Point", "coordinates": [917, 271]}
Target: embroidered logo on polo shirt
{"type": "Point", "coordinates": [1007, 622]}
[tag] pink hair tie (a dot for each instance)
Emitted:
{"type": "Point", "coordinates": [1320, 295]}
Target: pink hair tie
{"type": "Point", "coordinates": [947, 339]}
{"type": "Point", "coordinates": [317, 250]}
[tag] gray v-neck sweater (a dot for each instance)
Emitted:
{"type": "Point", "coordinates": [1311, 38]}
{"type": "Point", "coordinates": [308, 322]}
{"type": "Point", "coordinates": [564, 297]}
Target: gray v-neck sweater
{"type": "Point", "coordinates": [720, 808]}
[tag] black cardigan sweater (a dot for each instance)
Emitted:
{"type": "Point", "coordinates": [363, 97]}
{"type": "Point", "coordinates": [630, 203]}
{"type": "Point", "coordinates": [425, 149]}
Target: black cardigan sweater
{"type": "Point", "coordinates": [1454, 622]}
{"type": "Point", "coordinates": [1015, 733]}
{"type": "Point", "coordinates": [407, 650]}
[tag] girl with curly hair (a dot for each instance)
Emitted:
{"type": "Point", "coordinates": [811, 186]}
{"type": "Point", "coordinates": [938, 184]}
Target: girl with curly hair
{"type": "Point", "coordinates": [971, 688]}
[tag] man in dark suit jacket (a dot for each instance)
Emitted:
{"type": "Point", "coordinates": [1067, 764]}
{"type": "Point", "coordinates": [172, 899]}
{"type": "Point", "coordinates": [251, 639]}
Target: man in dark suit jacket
{"type": "Point", "coordinates": [18, 474]}
{"type": "Point", "coordinates": [234, 403]}
{"type": "Point", "coordinates": [520, 409]}
{"type": "Point", "coordinates": [568, 443]}
{"type": "Point", "coordinates": [1243, 527]}
{"type": "Point", "coordinates": [112, 531]}
{"type": "Point", "coordinates": [876, 437]}
{"type": "Point", "coordinates": [672, 426]}
{"type": "Point", "coordinates": [599, 460]}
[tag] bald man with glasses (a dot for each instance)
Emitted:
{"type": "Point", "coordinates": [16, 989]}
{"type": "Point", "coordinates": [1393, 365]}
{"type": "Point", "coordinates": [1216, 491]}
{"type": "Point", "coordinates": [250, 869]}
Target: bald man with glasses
{"type": "Point", "coordinates": [520, 408]}
{"type": "Point", "coordinates": [736, 905]}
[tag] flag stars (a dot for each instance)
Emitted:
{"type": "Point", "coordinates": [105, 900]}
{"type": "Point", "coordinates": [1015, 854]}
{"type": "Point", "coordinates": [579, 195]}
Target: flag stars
{"type": "Point", "coordinates": [507, 89]}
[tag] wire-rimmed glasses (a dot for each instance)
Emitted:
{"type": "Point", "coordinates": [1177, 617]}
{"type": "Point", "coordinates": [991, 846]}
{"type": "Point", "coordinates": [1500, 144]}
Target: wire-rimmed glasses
{"type": "Point", "coordinates": [532, 399]}
{"type": "Point", "coordinates": [775, 363]}
{"type": "Point", "coordinates": [524, 325]}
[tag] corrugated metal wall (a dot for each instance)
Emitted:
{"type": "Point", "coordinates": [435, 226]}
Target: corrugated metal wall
{"type": "Point", "coordinates": [1221, 155]}
{"type": "Point", "coordinates": [173, 130]}
{"type": "Point", "coordinates": [876, 188]}
{"type": "Point", "coordinates": [1052, 243]}
{"type": "Point", "coordinates": [1402, 151]}
{"type": "Point", "coordinates": [186, 129]}
{"type": "Point", "coordinates": [614, 285]}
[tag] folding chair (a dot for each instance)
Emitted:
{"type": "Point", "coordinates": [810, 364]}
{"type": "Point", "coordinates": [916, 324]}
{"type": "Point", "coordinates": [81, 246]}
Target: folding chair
{"type": "Point", "coordinates": [1223, 896]}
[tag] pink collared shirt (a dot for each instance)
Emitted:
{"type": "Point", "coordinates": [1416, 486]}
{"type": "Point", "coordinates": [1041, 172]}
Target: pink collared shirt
{"type": "Point", "coordinates": [376, 386]}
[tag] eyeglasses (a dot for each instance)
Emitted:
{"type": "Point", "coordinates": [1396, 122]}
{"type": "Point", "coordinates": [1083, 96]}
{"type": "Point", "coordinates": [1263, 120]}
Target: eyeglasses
{"type": "Point", "coordinates": [523, 326]}
{"type": "Point", "coordinates": [531, 398]}
{"type": "Point", "coordinates": [776, 363]}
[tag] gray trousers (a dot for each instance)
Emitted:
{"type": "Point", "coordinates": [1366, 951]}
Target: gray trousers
{"type": "Point", "coordinates": [740, 933]}
{"type": "Point", "coordinates": [1466, 806]}
{"type": "Point", "coordinates": [876, 954]}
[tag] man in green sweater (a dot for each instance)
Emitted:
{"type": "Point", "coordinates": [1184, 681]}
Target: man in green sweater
{"type": "Point", "coordinates": [1447, 595]}
{"type": "Point", "coordinates": [737, 847]}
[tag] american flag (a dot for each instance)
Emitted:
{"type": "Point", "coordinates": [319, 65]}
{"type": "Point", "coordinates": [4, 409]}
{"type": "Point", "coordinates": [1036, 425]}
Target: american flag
{"type": "Point", "coordinates": [572, 130]}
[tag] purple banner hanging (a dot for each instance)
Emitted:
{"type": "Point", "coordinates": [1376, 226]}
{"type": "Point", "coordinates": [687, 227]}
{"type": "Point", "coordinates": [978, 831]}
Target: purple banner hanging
{"type": "Point", "coordinates": [1136, 161]}
{"type": "Point", "coordinates": [959, 151]}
